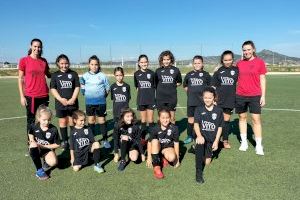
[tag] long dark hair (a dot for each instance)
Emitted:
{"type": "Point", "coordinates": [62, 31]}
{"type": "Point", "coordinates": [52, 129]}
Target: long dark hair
{"type": "Point", "coordinates": [121, 122]}
{"type": "Point", "coordinates": [251, 43]}
{"type": "Point", "coordinates": [166, 53]}
{"type": "Point", "coordinates": [61, 56]}
{"type": "Point", "coordinates": [163, 111]}
{"type": "Point", "coordinates": [119, 69]}
{"type": "Point", "coordinates": [94, 57]}
{"type": "Point", "coordinates": [227, 52]}
{"type": "Point", "coordinates": [36, 40]}
{"type": "Point", "coordinates": [142, 56]}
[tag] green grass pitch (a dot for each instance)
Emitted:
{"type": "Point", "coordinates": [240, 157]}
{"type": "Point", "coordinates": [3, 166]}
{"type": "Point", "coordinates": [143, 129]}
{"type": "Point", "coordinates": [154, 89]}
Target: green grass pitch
{"type": "Point", "coordinates": [233, 175]}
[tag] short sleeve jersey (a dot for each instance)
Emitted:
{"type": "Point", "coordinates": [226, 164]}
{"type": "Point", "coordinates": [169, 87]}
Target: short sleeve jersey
{"type": "Point", "coordinates": [65, 84]}
{"type": "Point", "coordinates": [145, 83]}
{"type": "Point", "coordinates": [120, 95]}
{"type": "Point", "coordinates": [225, 80]}
{"type": "Point", "coordinates": [249, 76]}
{"type": "Point", "coordinates": [165, 137]}
{"type": "Point", "coordinates": [47, 137]}
{"type": "Point", "coordinates": [134, 132]}
{"type": "Point", "coordinates": [81, 139]}
{"type": "Point", "coordinates": [34, 76]}
{"type": "Point", "coordinates": [166, 84]}
{"type": "Point", "coordinates": [196, 81]}
{"type": "Point", "coordinates": [209, 121]}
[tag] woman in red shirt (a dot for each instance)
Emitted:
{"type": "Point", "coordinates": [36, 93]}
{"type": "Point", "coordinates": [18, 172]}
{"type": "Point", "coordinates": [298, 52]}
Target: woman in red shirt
{"type": "Point", "coordinates": [251, 92]}
{"type": "Point", "coordinates": [32, 84]}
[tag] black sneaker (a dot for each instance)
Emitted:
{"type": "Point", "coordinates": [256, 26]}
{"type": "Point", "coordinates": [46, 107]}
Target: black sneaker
{"type": "Point", "coordinates": [199, 178]}
{"type": "Point", "coordinates": [64, 145]}
{"type": "Point", "coordinates": [192, 149]}
{"type": "Point", "coordinates": [122, 165]}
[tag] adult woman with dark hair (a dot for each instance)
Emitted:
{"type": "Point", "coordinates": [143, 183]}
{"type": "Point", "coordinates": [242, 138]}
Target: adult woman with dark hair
{"type": "Point", "coordinates": [32, 84]}
{"type": "Point", "coordinates": [251, 92]}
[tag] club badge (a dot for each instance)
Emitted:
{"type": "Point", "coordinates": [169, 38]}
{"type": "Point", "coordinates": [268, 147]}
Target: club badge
{"type": "Point", "coordinates": [124, 89]}
{"type": "Point", "coordinates": [148, 76]}
{"type": "Point", "coordinates": [171, 71]}
{"type": "Point", "coordinates": [48, 135]}
{"type": "Point", "coordinates": [232, 72]}
{"type": "Point", "coordinates": [86, 131]}
{"type": "Point", "coordinates": [201, 74]}
{"type": "Point", "coordinates": [169, 132]}
{"type": "Point", "coordinates": [130, 130]}
{"type": "Point", "coordinates": [214, 116]}
{"type": "Point", "coordinates": [69, 76]}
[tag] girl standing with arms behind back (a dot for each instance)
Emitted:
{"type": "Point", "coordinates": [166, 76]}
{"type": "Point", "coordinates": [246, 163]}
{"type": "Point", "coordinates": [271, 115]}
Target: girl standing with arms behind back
{"type": "Point", "coordinates": [251, 94]}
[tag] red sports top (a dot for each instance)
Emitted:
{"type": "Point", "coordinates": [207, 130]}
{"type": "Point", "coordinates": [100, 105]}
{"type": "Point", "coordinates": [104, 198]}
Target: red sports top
{"type": "Point", "coordinates": [249, 76]}
{"type": "Point", "coordinates": [34, 76]}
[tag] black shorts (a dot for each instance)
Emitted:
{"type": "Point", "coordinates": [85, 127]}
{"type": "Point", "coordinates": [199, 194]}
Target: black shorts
{"type": "Point", "coordinates": [65, 113]}
{"type": "Point", "coordinates": [166, 106]}
{"type": "Point", "coordinates": [96, 110]}
{"type": "Point", "coordinates": [162, 147]}
{"type": "Point", "coordinates": [83, 158]}
{"type": "Point", "coordinates": [227, 110]}
{"type": "Point", "coordinates": [208, 152]}
{"type": "Point", "coordinates": [145, 107]}
{"type": "Point", "coordinates": [243, 103]}
{"type": "Point", "coordinates": [191, 111]}
{"type": "Point", "coordinates": [44, 152]}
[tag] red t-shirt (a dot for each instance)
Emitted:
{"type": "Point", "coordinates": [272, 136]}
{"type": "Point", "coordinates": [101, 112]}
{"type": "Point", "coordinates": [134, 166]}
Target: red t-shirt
{"type": "Point", "coordinates": [34, 76]}
{"type": "Point", "coordinates": [249, 76]}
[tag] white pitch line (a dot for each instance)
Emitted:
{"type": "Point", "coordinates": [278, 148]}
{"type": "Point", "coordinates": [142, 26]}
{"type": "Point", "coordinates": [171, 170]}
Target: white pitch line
{"type": "Point", "coordinates": [109, 110]}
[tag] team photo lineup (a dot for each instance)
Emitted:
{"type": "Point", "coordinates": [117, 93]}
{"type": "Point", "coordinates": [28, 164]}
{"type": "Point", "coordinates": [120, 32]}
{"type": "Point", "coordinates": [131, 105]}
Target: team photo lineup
{"type": "Point", "coordinates": [234, 87]}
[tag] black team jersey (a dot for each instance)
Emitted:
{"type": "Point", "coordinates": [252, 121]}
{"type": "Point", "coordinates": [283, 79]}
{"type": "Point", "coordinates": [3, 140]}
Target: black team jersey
{"type": "Point", "coordinates": [225, 79]}
{"type": "Point", "coordinates": [81, 141]}
{"type": "Point", "coordinates": [47, 137]}
{"type": "Point", "coordinates": [134, 133]}
{"type": "Point", "coordinates": [166, 83]}
{"type": "Point", "coordinates": [65, 84]}
{"type": "Point", "coordinates": [165, 137]}
{"type": "Point", "coordinates": [121, 97]}
{"type": "Point", "coordinates": [209, 121]}
{"type": "Point", "coordinates": [196, 81]}
{"type": "Point", "coordinates": [145, 82]}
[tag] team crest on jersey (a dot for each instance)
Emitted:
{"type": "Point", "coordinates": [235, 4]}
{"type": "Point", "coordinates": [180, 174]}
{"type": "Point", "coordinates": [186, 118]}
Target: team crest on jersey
{"type": "Point", "coordinates": [203, 113]}
{"type": "Point", "coordinates": [48, 135]}
{"type": "Point", "coordinates": [192, 74]}
{"type": "Point", "coordinates": [130, 130]}
{"type": "Point", "coordinates": [200, 74]}
{"type": "Point", "coordinates": [124, 89]}
{"type": "Point", "coordinates": [69, 76]}
{"type": "Point", "coordinates": [232, 72]}
{"type": "Point", "coordinates": [159, 132]}
{"type": "Point", "coordinates": [148, 76]}
{"type": "Point", "coordinates": [86, 131]}
{"type": "Point", "coordinates": [169, 132]}
{"type": "Point", "coordinates": [214, 116]}
{"type": "Point", "coordinates": [171, 71]}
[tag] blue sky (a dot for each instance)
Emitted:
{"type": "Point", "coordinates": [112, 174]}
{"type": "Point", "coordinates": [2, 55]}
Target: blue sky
{"type": "Point", "coordinates": [127, 28]}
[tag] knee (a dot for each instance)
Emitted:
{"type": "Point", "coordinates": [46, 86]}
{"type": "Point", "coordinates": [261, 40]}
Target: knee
{"type": "Point", "coordinates": [133, 157]}
{"type": "Point", "coordinates": [256, 121]}
{"type": "Point", "coordinates": [171, 157]}
{"type": "Point", "coordinates": [96, 145]}
{"type": "Point", "coordinates": [52, 162]}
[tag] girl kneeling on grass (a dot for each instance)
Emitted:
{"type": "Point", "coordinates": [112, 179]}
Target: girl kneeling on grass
{"type": "Point", "coordinates": [208, 128]}
{"type": "Point", "coordinates": [164, 139]}
{"type": "Point", "coordinates": [43, 140]}
{"type": "Point", "coordinates": [82, 143]}
{"type": "Point", "coordinates": [129, 136]}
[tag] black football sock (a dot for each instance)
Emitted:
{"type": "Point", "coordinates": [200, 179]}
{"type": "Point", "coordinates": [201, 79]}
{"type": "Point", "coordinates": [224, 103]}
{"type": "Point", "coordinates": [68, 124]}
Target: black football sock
{"type": "Point", "coordinates": [96, 156]}
{"type": "Point", "coordinates": [189, 129]}
{"type": "Point", "coordinates": [64, 133]}
{"type": "Point", "coordinates": [93, 128]}
{"type": "Point", "coordinates": [226, 129]}
{"type": "Point", "coordinates": [123, 149]}
{"type": "Point", "coordinates": [35, 155]}
{"type": "Point", "coordinates": [103, 130]}
{"type": "Point", "coordinates": [155, 160]}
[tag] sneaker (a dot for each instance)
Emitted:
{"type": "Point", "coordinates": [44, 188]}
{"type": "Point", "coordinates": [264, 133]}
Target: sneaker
{"type": "Point", "coordinates": [122, 165]}
{"type": "Point", "coordinates": [199, 177]}
{"type": "Point", "coordinates": [226, 144]}
{"type": "Point", "coordinates": [157, 172]}
{"type": "Point", "coordinates": [45, 166]}
{"type": "Point", "coordinates": [64, 145]}
{"type": "Point", "coordinates": [188, 140]}
{"type": "Point", "coordinates": [165, 162]}
{"type": "Point", "coordinates": [41, 175]}
{"type": "Point", "coordinates": [116, 157]}
{"type": "Point", "coordinates": [106, 144]}
{"type": "Point", "coordinates": [244, 146]}
{"type": "Point", "coordinates": [98, 168]}
{"type": "Point", "coordinates": [259, 150]}
{"type": "Point", "coordinates": [192, 149]}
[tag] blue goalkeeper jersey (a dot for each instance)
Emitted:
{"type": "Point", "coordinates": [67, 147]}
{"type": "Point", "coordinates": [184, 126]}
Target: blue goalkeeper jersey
{"type": "Point", "coordinates": [94, 87]}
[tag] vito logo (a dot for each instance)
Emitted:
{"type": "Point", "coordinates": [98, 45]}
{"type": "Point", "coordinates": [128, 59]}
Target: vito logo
{"type": "Point", "coordinates": [196, 81]}
{"type": "Point", "coordinates": [227, 81]}
{"type": "Point", "coordinates": [82, 142]}
{"type": "Point", "coordinates": [120, 98]}
{"type": "Point", "coordinates": [208, 126]}
{"type": "Point", "coordinates": [167, 79]}
{"type": "Point", "coordinates": [145, 84]}
{"type": "Point", "coordinates": [65, 84]}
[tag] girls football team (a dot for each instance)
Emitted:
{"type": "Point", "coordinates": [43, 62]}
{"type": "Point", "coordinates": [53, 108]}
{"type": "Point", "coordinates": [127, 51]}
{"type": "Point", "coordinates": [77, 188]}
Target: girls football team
{"type": "Point", "coordinates": [210, 102]}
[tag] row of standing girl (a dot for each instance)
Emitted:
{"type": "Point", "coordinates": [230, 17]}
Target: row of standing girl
{"type": "Point", "coordinates": [65, 86]}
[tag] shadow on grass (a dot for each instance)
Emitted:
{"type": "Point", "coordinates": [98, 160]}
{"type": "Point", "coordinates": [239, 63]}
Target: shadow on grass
{"type": "Point", "coordinates": [236, 131]}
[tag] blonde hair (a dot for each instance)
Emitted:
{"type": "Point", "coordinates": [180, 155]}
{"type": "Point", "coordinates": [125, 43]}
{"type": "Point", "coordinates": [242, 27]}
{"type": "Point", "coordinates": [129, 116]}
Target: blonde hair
{"type": "Point", "coordinates": [42, 109]}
